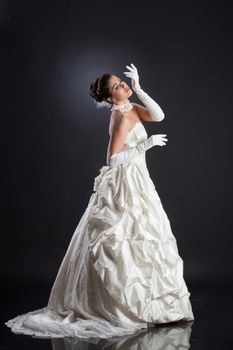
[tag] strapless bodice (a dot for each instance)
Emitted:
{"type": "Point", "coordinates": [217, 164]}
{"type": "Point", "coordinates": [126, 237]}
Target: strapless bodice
{"type": "Point", "coordinates": [136, 135]}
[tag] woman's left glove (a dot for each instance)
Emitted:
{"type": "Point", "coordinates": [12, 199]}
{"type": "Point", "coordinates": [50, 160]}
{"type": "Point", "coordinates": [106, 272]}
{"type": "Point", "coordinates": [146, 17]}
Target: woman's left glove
{"type": "Point", "coordinates": [154, 109]}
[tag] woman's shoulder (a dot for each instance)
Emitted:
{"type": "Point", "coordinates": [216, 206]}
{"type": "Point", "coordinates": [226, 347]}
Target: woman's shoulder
{"type": "Point", "coordinates": [124, 120]}
{"type": "Point", "coordinates": [118, 120]}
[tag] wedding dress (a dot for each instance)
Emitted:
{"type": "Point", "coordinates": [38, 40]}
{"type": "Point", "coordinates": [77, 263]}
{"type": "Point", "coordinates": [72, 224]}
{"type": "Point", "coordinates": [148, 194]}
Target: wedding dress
{"type": "Point", "coordinates": [122, 271]}
{"type": "Point", "coordinates": [162, 337]}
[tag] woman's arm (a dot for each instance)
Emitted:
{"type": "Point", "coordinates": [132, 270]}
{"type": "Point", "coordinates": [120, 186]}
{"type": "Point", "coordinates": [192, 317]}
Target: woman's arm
{"type": "Point", "coordinates": [155, 111]}
{"type": "Point", "coordinates": [124, 156]}
{"type": "Point", "coordinates": [143, 113]}
{"type": "Point", "coordinates": [118, 135]}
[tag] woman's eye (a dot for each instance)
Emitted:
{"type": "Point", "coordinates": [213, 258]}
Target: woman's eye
{"type": "Point", "coordinates": [116, 86]}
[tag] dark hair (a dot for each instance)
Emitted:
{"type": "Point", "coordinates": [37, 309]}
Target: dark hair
{"type": "Point", "coordinates": [99, 88]}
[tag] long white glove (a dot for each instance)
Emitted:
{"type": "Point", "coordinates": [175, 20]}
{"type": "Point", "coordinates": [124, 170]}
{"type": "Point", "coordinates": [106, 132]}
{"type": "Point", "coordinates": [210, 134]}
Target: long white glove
{"type": "Point", "coordinates": [123, 156]}
{"type": "Point", "coordinates": [154, 109]}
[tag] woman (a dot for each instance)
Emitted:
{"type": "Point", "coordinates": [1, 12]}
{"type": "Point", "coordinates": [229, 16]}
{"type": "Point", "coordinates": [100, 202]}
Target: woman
{"type": "Point", "coordinates": [122, 271]}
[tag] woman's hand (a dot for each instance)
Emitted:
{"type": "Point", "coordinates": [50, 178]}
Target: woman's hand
{"type": "Point", "coordinates": [133, 74]}
{"type": "Point", "coordinates": [154, 140]}
{"type": "Point", "coordinates": [158, 140]}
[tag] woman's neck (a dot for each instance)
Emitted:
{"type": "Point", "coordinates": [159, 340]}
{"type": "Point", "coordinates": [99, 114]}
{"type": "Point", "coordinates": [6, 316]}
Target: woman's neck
{"type": "Point", "coordinates": [123, 107]}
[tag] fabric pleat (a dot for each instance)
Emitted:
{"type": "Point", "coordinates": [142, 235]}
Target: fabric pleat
{"type": "Point", "coordinates": [122, 270]}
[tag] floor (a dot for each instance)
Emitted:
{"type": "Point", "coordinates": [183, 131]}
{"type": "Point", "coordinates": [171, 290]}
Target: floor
{"type": "Point", "coordinates": [211, 329]}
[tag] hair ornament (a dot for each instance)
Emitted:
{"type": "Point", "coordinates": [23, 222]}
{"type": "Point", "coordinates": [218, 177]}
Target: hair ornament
{"type": "Point", "coordinates": [102, 104]}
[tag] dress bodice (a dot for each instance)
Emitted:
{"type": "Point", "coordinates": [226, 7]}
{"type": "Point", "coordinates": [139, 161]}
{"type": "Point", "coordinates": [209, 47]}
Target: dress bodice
{"type": "Point", "coordinates": [136, 135]}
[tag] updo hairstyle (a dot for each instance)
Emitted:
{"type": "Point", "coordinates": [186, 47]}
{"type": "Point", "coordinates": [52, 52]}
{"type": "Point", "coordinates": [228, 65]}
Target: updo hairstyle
{"type": "Point", "coordinates": [99, 89]}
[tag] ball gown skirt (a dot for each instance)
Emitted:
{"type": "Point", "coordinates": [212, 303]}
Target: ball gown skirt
{"type": "Point", "coordinates": [122, 271]}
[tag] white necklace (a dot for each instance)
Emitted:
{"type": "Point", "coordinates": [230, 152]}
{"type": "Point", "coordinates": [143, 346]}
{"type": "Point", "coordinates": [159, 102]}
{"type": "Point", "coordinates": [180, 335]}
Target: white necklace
{"type": "Point", "coordinates": [125, 107]}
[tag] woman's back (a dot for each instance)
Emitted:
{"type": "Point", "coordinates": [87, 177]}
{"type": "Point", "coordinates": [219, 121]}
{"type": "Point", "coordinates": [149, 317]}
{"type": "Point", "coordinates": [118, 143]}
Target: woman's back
{"type": "Point", "coordinates": [121, 123]}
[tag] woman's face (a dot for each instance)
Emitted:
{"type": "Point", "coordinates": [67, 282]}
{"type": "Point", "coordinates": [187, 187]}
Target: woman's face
{"type": "Point", "coordinates": [119, 90]}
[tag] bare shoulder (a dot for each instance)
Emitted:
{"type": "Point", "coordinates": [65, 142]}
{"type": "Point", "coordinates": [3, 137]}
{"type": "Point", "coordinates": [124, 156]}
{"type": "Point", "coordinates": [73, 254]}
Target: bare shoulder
{"type": "Point", "coordinates": [119, 121]}
{"type": "Point", "coordinates": [142, 112]}
{"type": "Point", "coordinates": [123, 120]}
{"type": "Point", "coordinates": [119, 126]}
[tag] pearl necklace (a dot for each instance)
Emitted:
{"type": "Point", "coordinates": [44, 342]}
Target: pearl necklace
{"type": "Point", "coordinates": [125, 107]}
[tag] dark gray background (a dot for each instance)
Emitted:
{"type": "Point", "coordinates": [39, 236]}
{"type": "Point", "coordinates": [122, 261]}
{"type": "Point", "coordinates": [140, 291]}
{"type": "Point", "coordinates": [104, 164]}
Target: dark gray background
{"type": "Point", "coordinates": [55, 140]}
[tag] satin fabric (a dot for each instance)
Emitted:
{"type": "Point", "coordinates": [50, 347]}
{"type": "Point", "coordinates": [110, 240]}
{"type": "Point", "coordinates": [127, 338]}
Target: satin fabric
{"type": "Point", "coordinates": [122, 271]}
{"type": "Point", "coordinates": [165, 337]}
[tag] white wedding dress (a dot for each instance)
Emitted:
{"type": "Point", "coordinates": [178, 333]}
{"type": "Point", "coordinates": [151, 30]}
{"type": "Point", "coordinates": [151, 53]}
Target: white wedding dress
{"type": "Point", "coordinates": [121, 271]}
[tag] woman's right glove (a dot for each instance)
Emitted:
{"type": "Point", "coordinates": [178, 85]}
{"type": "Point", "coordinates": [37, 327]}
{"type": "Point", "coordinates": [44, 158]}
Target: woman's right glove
{"type": "Point", "coordinates": [123, 156]}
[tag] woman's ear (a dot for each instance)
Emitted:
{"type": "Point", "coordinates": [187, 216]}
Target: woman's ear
{"type": "Point", "coordinates": [109, 99]}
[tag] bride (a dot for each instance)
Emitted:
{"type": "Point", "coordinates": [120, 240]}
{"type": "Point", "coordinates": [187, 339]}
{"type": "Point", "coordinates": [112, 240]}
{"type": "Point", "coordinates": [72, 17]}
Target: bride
{"type": "Point", "coordinates": [122, 271]}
